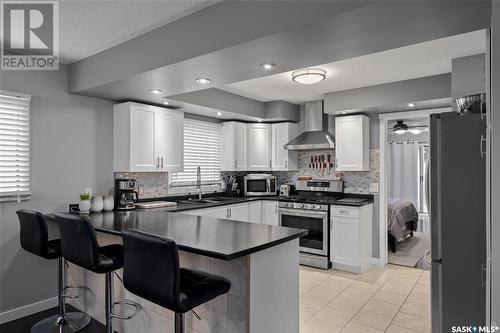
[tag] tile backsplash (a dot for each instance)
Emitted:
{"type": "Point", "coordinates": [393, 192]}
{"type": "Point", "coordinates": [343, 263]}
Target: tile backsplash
{"type": "Point", "coordinates": [155, 184]}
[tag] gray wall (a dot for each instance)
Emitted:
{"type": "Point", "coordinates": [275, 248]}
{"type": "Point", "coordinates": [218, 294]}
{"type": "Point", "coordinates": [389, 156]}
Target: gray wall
{"type": "Point", "coordinates": [495, 162]}
{"type": "Point", "coordinates": [467, 76]}
{"type": "Point", "coordinates": [72, 148]}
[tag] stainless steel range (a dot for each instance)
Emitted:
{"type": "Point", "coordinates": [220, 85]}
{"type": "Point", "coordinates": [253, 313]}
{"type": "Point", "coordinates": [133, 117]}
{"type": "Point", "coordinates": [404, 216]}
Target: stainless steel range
{"type": "Point", "coordinates": [310, 211]}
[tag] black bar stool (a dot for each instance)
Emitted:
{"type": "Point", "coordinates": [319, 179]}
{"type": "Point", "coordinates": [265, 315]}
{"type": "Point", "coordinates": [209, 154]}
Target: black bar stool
{"type": "Point", "coordinates": [177, 289]}
{"type": "Point", "coordinates": [79, 246]}
{"type": "Point", "coordinates": [35, 239]}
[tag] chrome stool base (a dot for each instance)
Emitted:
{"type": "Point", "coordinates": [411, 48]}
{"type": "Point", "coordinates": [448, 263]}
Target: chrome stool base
{"type": "Point", "coordinates": [73, 322]}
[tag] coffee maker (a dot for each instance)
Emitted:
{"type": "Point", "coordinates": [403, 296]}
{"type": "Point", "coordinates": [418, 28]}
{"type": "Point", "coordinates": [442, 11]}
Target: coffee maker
{"type": "Point", "coordinates": [125, 193]}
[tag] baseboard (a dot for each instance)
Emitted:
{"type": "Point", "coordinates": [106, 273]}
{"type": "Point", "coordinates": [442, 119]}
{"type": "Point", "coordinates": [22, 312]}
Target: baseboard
{"type": "Point", "coordinates": [376, 261]}
{"type": "Point", "coordinates": [27, 310]}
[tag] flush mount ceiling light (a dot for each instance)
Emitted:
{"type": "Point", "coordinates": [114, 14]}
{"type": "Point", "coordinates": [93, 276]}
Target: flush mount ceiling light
{"type": "Point", "coordinates": [155, 91]}
{"type": "Point", "coordinates": [411, 105]}
{"type": "Point", "coordinates": [267, 66]}
{"type": "Point", "coordinates": [219, 113]}
{"type": "Point", "coordinates": [309, 75]}
{"type": "Point", "coordinates": [203, 80]}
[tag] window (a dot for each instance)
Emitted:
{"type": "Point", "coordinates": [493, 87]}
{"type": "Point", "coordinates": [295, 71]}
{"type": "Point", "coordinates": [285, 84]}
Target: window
{"type": "Point", "coordinates": [202, 147]}
{"type": "Point", "coordinates": [14, 146]}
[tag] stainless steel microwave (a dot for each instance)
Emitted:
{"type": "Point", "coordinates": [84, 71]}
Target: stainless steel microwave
{"type": "Point", "coordinates": [260, 184]}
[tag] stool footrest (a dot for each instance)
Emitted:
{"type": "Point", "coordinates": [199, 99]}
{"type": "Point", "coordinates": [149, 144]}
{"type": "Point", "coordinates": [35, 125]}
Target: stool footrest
{"type": "Point", "coordinates": [136, 308]}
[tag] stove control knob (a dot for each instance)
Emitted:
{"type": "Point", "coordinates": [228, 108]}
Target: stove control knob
{"type": "Point", "coordinates": [317, 207]}
{"type": "Point", "coordinates": [309, 206]}
{"type": "Point", "coordinates": [298, 205]}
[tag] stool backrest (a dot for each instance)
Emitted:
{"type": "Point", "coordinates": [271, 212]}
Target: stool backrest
{"type": "Point", "coordinates": [34, 235]}
{"type": "Point", "coordinates": [151, 268]}
{"type": "Point", "coordinates": [78, 240]}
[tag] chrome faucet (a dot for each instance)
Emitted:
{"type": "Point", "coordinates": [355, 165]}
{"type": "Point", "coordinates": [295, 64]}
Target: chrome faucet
{"type": "Point", "coordinates": [198, 182]}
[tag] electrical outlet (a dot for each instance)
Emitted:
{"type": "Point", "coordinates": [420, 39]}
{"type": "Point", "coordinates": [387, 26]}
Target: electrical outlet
{"type": "Point", "coordinates": [140, 190]}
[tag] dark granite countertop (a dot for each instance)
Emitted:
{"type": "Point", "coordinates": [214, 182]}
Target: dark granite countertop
{"type": "Point", "coordinates": [235, 200]}
{"type": "Point", "coordinates": [213, 237]}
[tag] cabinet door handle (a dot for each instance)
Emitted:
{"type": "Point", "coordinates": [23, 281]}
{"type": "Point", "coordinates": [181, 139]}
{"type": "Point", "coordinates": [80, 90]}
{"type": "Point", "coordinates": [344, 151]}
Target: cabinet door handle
{"type": "Point", "coordinates": [270, 164]}
{"type": "Point", "coordinates": [235, 164]}
{"type": "Point", "coordinates": [483, 276]}
{"type": "Point", "coordinates": [158, 162]}
{"type": "Point", "coordinates": [161, 163]}
{"type": "Point", "coordinates": [276, 208]}
{"type": "Point", "coordinates": [286, 164]}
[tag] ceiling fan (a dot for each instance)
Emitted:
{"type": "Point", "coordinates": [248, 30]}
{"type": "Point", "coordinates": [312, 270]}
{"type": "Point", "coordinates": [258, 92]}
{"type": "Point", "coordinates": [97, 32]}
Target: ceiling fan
{"type": "Point", "coordinates": [401, 128]}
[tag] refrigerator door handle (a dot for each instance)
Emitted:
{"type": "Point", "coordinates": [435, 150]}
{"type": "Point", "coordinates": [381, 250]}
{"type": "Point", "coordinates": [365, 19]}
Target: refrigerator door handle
{"type": "Point", "coordinates": [481, 150]}
{"type": "Point", "coordinates": [483, 276]}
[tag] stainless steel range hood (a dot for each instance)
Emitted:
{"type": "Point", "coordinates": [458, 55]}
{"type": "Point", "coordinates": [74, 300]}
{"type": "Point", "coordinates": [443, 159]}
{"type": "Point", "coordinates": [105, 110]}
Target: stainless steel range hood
{"type": "Point", "coordinates": [316, 135]}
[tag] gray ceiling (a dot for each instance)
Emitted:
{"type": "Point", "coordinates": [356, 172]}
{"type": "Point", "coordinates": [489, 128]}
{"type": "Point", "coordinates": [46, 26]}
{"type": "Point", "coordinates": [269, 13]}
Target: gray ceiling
{"type": "Point", "coordinates": [227, 41]}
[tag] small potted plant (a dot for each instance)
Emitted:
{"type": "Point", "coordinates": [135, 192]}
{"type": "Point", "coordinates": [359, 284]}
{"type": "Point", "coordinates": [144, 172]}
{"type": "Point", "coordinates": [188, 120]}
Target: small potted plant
{"type": "Point", "coordinates": [84, 203]}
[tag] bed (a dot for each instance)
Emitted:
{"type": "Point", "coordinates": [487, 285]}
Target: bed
{"type": "Point", "coordinates": [402, 221]}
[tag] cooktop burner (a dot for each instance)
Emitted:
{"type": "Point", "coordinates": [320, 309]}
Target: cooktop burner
{"type": "Point", "coordinates": [325, 200]}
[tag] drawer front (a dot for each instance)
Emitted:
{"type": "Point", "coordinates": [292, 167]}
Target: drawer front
{"type": "Point", "coordinates": [341, 211]}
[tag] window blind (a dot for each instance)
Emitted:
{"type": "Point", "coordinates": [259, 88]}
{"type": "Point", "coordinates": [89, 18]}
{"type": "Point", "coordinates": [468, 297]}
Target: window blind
{"type": "Point", "coordinates": [202, 147]}
{"type": "Point", "coordinates": [14, 146]}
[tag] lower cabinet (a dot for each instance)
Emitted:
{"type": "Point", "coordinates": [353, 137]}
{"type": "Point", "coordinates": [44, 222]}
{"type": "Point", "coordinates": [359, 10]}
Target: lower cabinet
{"type": "Point", "coordinates": [270, 213]}
{"type": "Point", "coordinates": [261, 211]}
{"type": "Point", "coordinates": [255, 208]}
{"type": "Point", "coordinates": [351, 238]}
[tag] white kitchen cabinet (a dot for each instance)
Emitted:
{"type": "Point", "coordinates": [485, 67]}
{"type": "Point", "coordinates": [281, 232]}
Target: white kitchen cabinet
{"type": "Point", "coordinates": [221, 212]}
{"type": "Point", "coordinates": [197, 212]}
{"type": "Point", "coordinates": [170, 139]}
{"type": "Point", "coordinates": [255, 214]}
{"type": "Point", "coordinates": [147, 138]}
{"type": "Point", "coordinates": [351, 237]}
{"type": "Point", "coordinates": [259, 150]}
{"type": "Point", "coordinates": [283, 159]}
{"type": "Point", "coordinates": [352, 143]}
{"type": "Point", "coordinates": [239, 212]}
{"type": "Point", "coordinates": [270, 213]}
{"type": "Point", "coordinates": [234, 146]}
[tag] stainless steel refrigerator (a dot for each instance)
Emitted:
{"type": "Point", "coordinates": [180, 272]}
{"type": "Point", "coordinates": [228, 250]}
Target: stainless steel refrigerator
{"type": "Point", "coordinates": [458, 220]}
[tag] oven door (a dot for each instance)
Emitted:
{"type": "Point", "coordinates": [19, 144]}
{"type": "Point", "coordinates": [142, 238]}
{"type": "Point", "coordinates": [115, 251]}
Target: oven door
{"type": "Point", "coordinates": [315, 222]}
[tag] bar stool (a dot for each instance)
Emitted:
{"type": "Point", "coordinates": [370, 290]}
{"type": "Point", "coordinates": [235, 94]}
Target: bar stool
{"type": "Point", "coordinates": [79, 246]}
{"type": "Point", "coordinates": [35, 239]}
{"type": "Point", "coordinates": [177, 289]}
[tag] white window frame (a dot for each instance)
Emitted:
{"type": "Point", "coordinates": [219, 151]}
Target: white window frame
{"type": "Point", "coordinates": [9, 102]}
{"type": "Point", "coordinates": [173, 183]}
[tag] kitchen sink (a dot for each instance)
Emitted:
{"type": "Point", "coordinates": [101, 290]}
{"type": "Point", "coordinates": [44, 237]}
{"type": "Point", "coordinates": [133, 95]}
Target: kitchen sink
{"type": "Point", "coordinates": [195, 201]}
{"type": "Point", "coordinates": [220, 199]}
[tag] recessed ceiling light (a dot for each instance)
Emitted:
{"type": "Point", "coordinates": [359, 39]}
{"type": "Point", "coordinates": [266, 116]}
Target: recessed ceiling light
{"type": "Point", "coordinates": [203, 80]}
{"type": "Point", "coordinates": [343, 112]}
{"type": "Point", "coordinates": [309, 75]}
{"type": "Point", "coordinates": [156, 91]}
{"type": "Point", "coordinates": [260, 120]}
{"type": "Point", "coordinates": [267, 66]}
{"type": "Point", "coordinates": [165, 102]}
{"type": "Point", "coordinates": [219, 113]}
{"type": "Point", "coordinates": [410, 105]}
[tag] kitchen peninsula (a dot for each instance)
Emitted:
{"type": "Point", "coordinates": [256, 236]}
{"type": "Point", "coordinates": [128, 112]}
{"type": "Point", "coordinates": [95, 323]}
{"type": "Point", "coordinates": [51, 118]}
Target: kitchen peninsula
{"type": "Point", "coordinates": [261, 261]}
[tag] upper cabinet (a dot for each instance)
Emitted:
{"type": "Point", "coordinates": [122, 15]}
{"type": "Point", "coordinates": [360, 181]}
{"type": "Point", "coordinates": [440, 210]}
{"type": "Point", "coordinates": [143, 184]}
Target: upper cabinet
{"type": "Point", "coordinates": [352, 143]}
{"type": "Point", "coordinates": [283, 159]}
{"type": "Point", "coordinates": [259, 151]}
{"type": "Point", "coordinates": [257, 147]}
{"type": "Point", "coordinates": [234, 146]}
{"type": "Point", "coordinates": [147, 138]}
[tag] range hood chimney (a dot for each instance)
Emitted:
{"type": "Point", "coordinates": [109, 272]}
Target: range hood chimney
{"type": "Point", "coordinates": [315, 135]}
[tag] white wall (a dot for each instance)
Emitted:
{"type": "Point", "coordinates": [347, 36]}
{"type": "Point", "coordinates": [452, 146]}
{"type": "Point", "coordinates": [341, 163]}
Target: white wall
{"type": "Point", "coordinates": [71, 149]}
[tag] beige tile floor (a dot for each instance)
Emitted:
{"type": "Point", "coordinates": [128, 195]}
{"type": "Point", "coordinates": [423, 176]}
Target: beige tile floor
{"type": "Point", "coordinates": [392, 299]}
